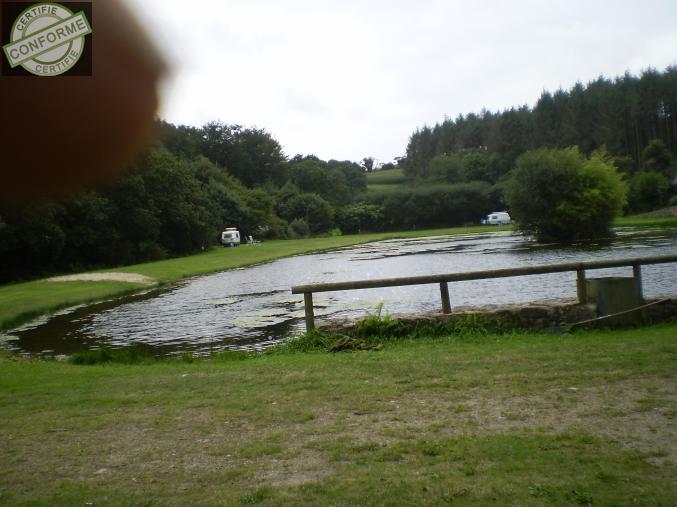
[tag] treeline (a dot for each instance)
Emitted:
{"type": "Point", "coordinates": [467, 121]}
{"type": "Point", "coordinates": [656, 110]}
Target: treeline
{"type": "Point", "coordinates": [194, 181]}
{"type": "Point", "coordinates": [436, 205]}
{"type": "Point", "coordinates": [176, 198]}
{"type": "Point", "coordinates": [623, 115]}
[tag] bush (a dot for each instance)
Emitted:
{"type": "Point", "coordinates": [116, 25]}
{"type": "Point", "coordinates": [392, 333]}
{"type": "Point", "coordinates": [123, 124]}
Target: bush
{"type": "Point", "coordinates": [648, 190]}
{"type": "Point", "coordinates": [317, 212]}
{"type": "Point", "coordinates": [298, 228]}
{"type": "Point", "coordinates": [657, 158]}
{"type": "Point", "coordinates": [559, 195]}
{"type": "Point", "coordinates": [359, 218]}
{"type": "Point", "coordinates": [439, 205]}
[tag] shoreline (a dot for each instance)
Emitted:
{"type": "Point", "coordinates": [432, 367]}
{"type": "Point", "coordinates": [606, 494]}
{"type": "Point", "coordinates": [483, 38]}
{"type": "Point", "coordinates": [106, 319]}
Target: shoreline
{"type": "Point", "coordinates": [21, 302]}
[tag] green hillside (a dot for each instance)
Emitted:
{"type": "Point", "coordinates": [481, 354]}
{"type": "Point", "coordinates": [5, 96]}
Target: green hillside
{"type": "Point", "coordinates": [381, 182]}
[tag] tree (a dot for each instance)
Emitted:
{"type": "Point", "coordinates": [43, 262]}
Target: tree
{"type": "Point", "coordinates": [648, 190]}
{"type": "Point", "coordinates": [445, 168]}
{"type": "Point", "coordinates": [436, 205]}
{"type": "Point", "coordinates": [354, 175]}
{"type": "Point", "coordinates": [368, 164]}
{"type": "Point", "coordinates": [298, 228]}
{"type": "Point", "coordinates": [624, 115]}
{"type": "Point", "coordinates": [31, 241]}
{"type": "Point", "coordinates": [310, 176]}
{"type": "Point", "coordinates": [479, 165]}
{"type": "Point", "coordinates": [181, 140]}
{"type": "Point", "coordinates": [90, 231]}
{"type": "Point", "coordinates": [179, 203]}
{"type": "Point", "coordinates": [560, 195]}
{"type": "Point", "coordinates": [656, 157]}
{"type": "Point", "coordinates": [317, 213]}
{"type": "Point", "coordinates": [252, 155]}
{"type": "Point", "coordinates": [360, 217]}
{"type": "Point", "coordinates": [337, 182]}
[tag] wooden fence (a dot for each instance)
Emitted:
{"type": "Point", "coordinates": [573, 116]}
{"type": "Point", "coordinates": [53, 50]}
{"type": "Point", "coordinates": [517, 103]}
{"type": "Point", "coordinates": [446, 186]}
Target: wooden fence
{"type": "Point", "coordinates": [444, 279]}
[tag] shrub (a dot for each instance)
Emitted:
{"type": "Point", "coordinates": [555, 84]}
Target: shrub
{"type": "Point", "coordinates": [298, 228]}
{"type": "Point", "coordinates": [560, 195]}
{"type": "Point", "coordinates": [439, 205]}
{"type": "Point", "coordinates": [648, 190]}
{"type": "Point", "coordinates": [360, 217]}
{"type": "Point", "coordinates": [317, 212]}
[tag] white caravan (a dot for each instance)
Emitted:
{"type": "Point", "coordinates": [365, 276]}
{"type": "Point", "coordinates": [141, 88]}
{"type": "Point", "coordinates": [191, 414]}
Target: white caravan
{"type": "Point", "coordinates": [230, 237]}
{"type": "Point", "coordinates": [497, 218]}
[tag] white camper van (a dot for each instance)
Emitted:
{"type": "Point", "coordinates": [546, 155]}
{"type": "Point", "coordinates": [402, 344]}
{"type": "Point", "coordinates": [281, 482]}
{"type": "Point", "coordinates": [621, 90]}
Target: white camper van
{"type": "Point", "coordinates": [230, 237]}
{"type": "Point", "coordinates": [497, 218]}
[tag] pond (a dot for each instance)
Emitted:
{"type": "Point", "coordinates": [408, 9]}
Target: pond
{"type": "Point", "coordinates": [253, 308]}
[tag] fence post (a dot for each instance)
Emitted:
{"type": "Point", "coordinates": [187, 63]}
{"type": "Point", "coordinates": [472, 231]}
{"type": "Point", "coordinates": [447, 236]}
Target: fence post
{"type": "Point", "coordinates": [310, 316]}
{"type": "Point", "coordinates": [581, 287]}
{"type": "Point", "coordinates": [444, 292]}
{"type": "Point", "coordinates": [637, 275]}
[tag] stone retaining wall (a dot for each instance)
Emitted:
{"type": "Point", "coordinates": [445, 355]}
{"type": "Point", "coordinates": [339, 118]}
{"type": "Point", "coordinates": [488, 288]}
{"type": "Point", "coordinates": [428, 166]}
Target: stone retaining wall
{"type": "Point", "coordinates": [537, 315]}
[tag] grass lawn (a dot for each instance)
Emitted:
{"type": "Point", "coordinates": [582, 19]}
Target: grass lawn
{"type": "Point", "coordinates": [389, 176]}
{"type": "Point", "coordinates": [646, 221]}
{"type": "Point", "coordinates": [523, 419]}
{"type": "Point", "coordinates": [20, 302]}
{"type": "Point", "coordinates": [383, 188]}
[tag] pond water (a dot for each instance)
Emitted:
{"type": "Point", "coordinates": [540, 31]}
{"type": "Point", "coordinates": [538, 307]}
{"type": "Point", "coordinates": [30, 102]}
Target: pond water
{"type": "Point", "coordinates": [252, 308]}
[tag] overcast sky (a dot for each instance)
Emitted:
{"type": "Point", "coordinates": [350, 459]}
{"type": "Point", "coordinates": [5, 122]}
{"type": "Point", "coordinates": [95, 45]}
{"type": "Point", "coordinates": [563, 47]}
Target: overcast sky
{"type": "Point", "coordinates": [347, 79]}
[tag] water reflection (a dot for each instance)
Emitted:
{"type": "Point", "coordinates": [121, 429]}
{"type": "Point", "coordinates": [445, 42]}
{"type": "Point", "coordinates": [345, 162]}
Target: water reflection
{"type": "Point", "coordinates": [252, 308]}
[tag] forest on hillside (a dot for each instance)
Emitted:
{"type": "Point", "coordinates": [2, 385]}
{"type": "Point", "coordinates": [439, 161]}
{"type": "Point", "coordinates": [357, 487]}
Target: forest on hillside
{"type": "Point", "coordinates": [624, 115]}
{"type": "Point", "coordinates": [177, 196]}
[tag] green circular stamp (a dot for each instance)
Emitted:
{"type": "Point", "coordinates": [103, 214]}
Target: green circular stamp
{"type": "Point", "coordinates": [47, 39]}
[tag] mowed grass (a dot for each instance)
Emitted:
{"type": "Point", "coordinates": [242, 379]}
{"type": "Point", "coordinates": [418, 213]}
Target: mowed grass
{"type": "Point", "coordinates": [20, 302]}
{"type": "Point", "coordinates": [634, 221]}
{"type": "Point", "coordinates": [384, 188]}
{"type": "Point", "coordinates": [523, 419]}
{"type": "Point", "coordinates": [389, 176]}
{"type": "Point", "coordinates": [385, 182]}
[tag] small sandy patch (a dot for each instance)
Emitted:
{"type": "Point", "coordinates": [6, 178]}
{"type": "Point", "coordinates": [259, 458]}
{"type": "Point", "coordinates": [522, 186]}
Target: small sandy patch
{"type": "Point", "coordinates": [100, 277]}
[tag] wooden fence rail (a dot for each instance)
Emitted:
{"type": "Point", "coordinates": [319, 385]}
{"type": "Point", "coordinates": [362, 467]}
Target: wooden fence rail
{"type": "Point", "coordinates": [444, 279]}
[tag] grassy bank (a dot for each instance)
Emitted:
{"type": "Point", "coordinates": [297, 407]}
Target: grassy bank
{"type": "Point", "coordinates": [22, 301]}
{"type": "Point", "coordinates": [524, 419]}
{"type": "Point", "coordinates": [646, 222]}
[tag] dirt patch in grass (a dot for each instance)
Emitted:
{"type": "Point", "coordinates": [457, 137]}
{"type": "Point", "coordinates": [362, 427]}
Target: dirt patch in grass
{"type": "Point", "coordinates": [639, 414]}
{"type": "Point", "coordinates": [102, 277]}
